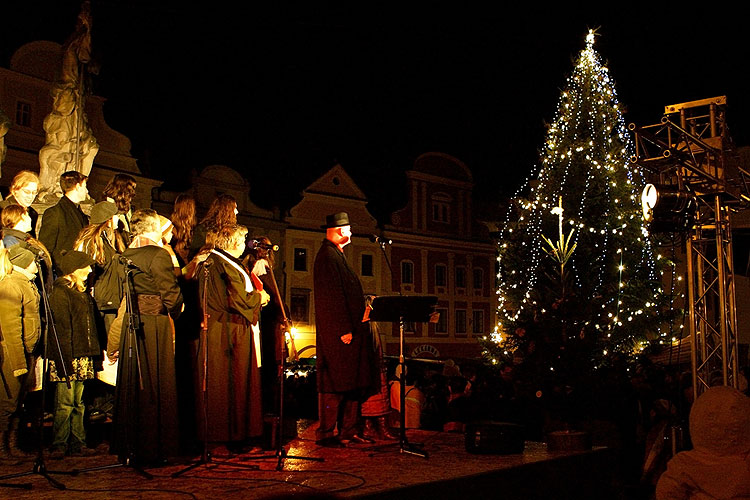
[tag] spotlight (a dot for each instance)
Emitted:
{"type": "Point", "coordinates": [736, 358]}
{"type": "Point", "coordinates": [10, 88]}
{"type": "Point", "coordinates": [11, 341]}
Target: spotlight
{"type": "Point", "coordinates": [666, 208]}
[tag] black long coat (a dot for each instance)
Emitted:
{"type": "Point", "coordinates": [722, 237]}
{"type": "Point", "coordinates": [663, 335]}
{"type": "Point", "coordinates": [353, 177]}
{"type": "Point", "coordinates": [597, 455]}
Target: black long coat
{"type": "Point", "coordinates": [146, 420]}
{"type": "Point", "coordinates": [339, 307]}
{"type": "Point", "coordinates": [75, 325]}
{"type": "Point", "coordinates": [61, 224]}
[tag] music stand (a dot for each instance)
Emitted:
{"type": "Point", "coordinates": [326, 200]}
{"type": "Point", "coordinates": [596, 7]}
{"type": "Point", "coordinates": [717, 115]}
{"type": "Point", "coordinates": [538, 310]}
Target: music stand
{"type": "Point", "coordinates": [398, 309]}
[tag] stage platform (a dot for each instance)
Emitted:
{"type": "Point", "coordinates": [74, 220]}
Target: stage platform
{"type": "Point", "coordinates": [360, 472]}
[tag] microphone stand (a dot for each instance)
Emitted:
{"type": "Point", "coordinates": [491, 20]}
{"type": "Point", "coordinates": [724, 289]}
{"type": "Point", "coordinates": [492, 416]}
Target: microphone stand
{"type": "Point", "coordinates": [39, 466]}
{"type": "Point", "coordinates": [133, 367]}
{"type": "Point", "coordinates": [281, 452]}
{"type": "Point", "coordinates": [206, 457]}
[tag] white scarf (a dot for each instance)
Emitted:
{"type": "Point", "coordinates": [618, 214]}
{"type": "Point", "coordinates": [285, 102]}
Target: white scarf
{"type": "Point", "coordinates": [248, 288]}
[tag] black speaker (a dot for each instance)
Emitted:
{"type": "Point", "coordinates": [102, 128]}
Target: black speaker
{"type": "Point", "coordinates": [499, 438]}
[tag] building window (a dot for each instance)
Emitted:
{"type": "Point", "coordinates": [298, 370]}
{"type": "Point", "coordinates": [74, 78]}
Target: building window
{"type": "Point", "coordinates": [440, 274]}
{"type": "Point", "coordinates": [477, 321]}
{"type": "Point", "coordinates": [410, 326]}
{"type": "Point", "coordinates": [407, 272]}
{"type": "Point", "coordinates": [300, 259]}
{"type": "Point", "coordinates": [440, 212]}
{"type": "Point", "coordinates": [366, 267]}
{"type": "Point", "coordinates": [23, 114]}
{"type": "Point", "coordinates": [460, 321]}
{"type": "Point", "coordinates": [442, 325]}
{"type": "Point", "coordinates": [478, 275]}
{"type": "Point", "coordinates": [460, 275]}
{"type": "Point", "coordinates": [441, 204]}
{"type": "Point", "coordinates": [299, 305]}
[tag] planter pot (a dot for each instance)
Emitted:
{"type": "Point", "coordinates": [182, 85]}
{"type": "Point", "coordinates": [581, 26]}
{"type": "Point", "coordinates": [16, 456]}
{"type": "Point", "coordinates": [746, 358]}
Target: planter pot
{"type": "Point", "coordinates": [568, 441]}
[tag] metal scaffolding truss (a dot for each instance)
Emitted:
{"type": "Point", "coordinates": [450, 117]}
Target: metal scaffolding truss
{"type": "Point", "coordinates": [691, 150]}
{"type": "Point", "coordinates": [711, 296]}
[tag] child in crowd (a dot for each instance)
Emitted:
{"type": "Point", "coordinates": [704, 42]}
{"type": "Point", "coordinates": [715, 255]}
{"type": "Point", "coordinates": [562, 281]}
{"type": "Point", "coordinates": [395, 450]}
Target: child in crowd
{"type": "Point", "coordinates": [75, 325]}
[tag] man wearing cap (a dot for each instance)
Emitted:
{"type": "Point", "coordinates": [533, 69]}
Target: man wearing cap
{"type": "Point", "coordinates": [20, 329]}
{"type": "Point", "coordinates": [344, 364]}
{"type": "Point", "coordinates": [61, 223]}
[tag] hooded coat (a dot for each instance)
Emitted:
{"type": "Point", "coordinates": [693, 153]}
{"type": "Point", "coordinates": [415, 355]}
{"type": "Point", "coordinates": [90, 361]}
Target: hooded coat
{"type": "Point", "coordinates": [718, 466]}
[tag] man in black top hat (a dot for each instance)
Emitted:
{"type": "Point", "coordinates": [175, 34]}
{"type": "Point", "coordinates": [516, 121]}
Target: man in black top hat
{"type": "Point", "coordinates": [344, 364]}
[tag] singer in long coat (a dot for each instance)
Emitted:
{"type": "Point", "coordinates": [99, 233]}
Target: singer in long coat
{"type": "Point", "coordinates": [233, 389]}
{"type": "Point", "coordinates": [339, 309]}
{"type": "Point", "coordinates": [145, 420]}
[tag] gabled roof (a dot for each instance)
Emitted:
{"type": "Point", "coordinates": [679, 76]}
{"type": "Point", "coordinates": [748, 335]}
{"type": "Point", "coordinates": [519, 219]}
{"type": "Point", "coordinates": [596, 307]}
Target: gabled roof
{"type": "Point", "coordinates": [336, 182]}
{"type": "Point", "coordinates": [334, 191]}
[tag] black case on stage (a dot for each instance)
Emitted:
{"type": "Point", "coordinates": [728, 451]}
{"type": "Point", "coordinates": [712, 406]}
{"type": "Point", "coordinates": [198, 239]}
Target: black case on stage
{"type": "Point", "coordinates": [500, 438]}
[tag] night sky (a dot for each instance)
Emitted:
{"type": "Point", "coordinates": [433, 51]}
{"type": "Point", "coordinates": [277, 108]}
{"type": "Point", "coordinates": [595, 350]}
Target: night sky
{"type": "Point", "coordinates": [283, 95]}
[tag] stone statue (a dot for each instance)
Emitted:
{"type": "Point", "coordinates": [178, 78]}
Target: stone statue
{"type": "Point", "coordinates": [4, 127]}
{"type": "Point", "coordinates": [70, 143]}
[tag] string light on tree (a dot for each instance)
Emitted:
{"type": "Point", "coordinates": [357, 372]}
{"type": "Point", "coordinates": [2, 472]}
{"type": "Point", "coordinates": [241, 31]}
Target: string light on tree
{"type": "Point", "coordinates": [612, 274]}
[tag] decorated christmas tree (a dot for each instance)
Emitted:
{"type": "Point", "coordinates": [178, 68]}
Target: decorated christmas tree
{"type": "Point", "coordinates": [579, 285]}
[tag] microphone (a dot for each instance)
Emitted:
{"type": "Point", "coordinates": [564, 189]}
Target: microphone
{"type": "Point", "coordinates": [377, 239]}
{"type": "Point", "coordinates": [255, 244]}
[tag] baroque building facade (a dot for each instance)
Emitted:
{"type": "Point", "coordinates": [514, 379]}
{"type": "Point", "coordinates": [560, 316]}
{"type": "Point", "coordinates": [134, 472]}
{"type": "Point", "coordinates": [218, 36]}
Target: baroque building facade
{"type": "Point", "coordinates": [438, 247]}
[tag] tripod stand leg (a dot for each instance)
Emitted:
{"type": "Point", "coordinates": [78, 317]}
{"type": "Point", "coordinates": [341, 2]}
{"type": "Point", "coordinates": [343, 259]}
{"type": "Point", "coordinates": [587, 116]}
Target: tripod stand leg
{"type": "Point", "coordinates": [22, 486]}
{"type": "Point", "coordinates": [127, 463]}
{"type": "Point", "coordinates": [190, 467]}
{"type": "Point", "coordinates": [403, 444]}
